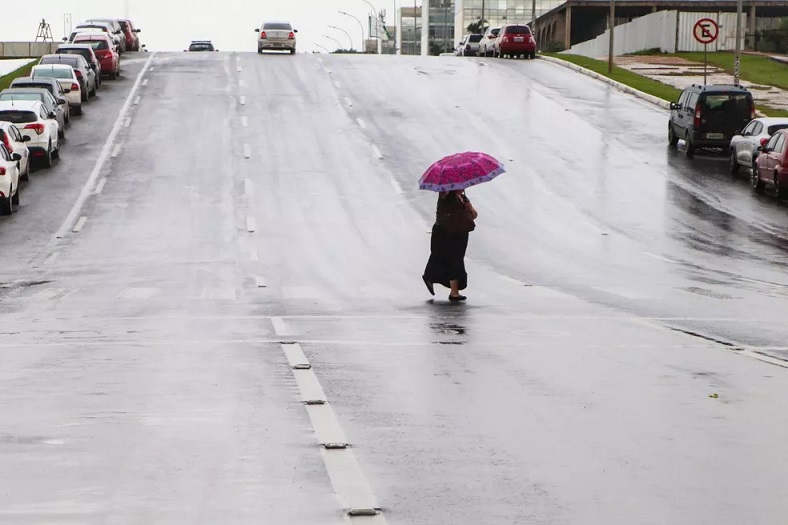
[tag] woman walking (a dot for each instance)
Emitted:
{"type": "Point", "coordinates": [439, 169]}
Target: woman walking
{"type": "Point", "coordinates": [453, 222]}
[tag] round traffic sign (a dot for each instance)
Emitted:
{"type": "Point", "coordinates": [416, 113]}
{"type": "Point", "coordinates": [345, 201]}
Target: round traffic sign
{"type": "Point", "coordinates": [706, 31]}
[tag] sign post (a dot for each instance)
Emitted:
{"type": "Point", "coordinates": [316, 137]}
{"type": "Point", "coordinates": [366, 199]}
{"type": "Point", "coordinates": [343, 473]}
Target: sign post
{"type": "Point", "coordinates": [705, 31]}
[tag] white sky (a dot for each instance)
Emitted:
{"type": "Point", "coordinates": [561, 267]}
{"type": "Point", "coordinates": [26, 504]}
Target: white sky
{"type": "Point", "coordinates": [169, 25]}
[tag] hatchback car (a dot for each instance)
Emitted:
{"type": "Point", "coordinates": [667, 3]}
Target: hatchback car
{"type": "Point", "coordinates": [103, 47]}
{"type": "Point", "coordinates": [15, 142]}
{"type": "Point", "coordinates": [50, 84]}
{"type": "Point", "coordinates": [771, 166]}
{"type": "Point", "coordinates": [744, 147]}
{"type": "Point", "coordinates": [87, 53]}
{"type": "Point", "coordinates": [276, 36]}
{"type": "Point", "coordinates": [487, 41]}
{"type": "Point", "coordinates": [469, 46]}
{"type": "Point", "coordinates": [9, 181]}
{"type": "Point", "coordinates": [32, 121]}
{"type": "Point", "coordinates": [50, 104]}
{"type": "Point", "coordinates": [515, 40]}
{"type": "Point", "coordinates": [116, 30]}
{"type": "Point", "coordinates": [85, 73]}
{"type": "Point", "coordinates": [131, 33]}
{"type": "Point", "coordinates": [114, 33]}
{"type": "Point", "coordinates": [68, 79]}
{"type": "Point", "coordinates": [709, 116]}
{"type": "Point", "coordinates": [201, 45]}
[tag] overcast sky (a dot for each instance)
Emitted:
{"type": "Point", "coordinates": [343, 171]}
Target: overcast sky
{"type": "Point", "coordinates": [169, 25]}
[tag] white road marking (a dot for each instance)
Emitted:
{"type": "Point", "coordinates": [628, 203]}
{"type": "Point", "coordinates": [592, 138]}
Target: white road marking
{"type": "Point", "coordinates": [91, 182]}
{"type": "Point", "coordinates": [280, 327]}
{"type": "Point", "coordinates": [51, 293]}
{"type": "Point", "coordinates": [361, 123]}
{"type": "Point", "coordinates": [254, 256]}
{"type": "Point", "coordinates": [294, 354]}
{"type": "Point", "coordinates": [80, 224]}
{"type": "Point", "coordinates": [660, 257]}
{"type": "Point", "coordinates": [152, 67]}
{"type": "Point", "coordinates": [260, 282]}
{"type": "Point", "coordinates": [138, 293]}
{"type": "Point", "coordinates": [248, 187]}
{"type": "Point", "coordinates": [242, 83]}
{"type": "Point", "coordinates": [145, 82]}
{"type": "Point", "coordinates": [397, 188]}
{"type": "Point", "coordinates": [115, 151]}
{"type": "Point", "coordinates": [247, 151]}
{"type": "Point", "coordinates": [376, 152]}
{"type": "Point", "coordinates": [244, 121]}
{"type": "Point", "coordinates": [348, 101]}
{"type": "Point", "coordinates": [52, 258]}
{"type": "Point", "coordinates": [242, 100]}
{"type": "Point", "coordinates": [250, 225]}
{"type": "Point", "coordinates": [311, 391]}
{"type": "Point", "coordinates": [337, 84]}
{"type": "Point", "coordinates": [137, 100]}
{"type": "Point", "coordinates": [127, 122]}
{"type": "Point", "coordinates": [240, 69]}
{"type": "Point", "coordinates": [100, 186]}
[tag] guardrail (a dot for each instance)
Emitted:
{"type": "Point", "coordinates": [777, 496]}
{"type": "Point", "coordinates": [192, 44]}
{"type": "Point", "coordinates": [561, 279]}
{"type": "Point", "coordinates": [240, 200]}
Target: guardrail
{"type": "Point", "coordinates": [27, 49]}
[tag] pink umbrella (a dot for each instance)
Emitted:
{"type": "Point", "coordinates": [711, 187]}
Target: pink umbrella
{"type": "Point", "coordinates": [460, 171]}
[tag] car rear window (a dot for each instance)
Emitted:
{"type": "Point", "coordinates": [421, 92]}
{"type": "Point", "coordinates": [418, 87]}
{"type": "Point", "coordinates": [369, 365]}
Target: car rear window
{"type": "Point", "coordinates": [518, 30]}
{"type": "Point", "coordinates": [20, 96]}
{"type": "Point", "coordinates": [201, 47]}
{"type": "Point", "coordinates": [53, 73]}
{"type": "Point", "coordinates": [71, 61]}
{"type": "Point", "coordinates": [475, 38]}
{"type": "Point", "coordinates": [775, 128]}
{"type": "Point", "coordinates": [84, 53]}
{"type": "Point", "coordinates": [732, 103]}
{"type": "Point", "coordinates": [18, 117]}
{"type": "Point", "coordinates": [95, 44]}
{"type": "Point", "coordinates": [277, 25]}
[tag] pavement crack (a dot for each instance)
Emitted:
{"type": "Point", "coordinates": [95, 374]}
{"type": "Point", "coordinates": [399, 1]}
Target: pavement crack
{"type": "Point", "coordinates": [705, 337]}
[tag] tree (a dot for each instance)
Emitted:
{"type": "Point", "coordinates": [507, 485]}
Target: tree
{"type": "Point", "coordinates": [478, 27]}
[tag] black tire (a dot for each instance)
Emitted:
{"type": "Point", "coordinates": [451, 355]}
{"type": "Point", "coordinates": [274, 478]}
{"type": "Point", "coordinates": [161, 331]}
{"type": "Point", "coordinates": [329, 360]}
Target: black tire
{"type": "Point", "coordinates": [15, 200]}
{"type": "Point", "coordinates": [93, 93]}
{"type": "Point", "coordinates": [673, 140]}
{"type": "Point", "coordinates": [6, 206]}
{"type": "Point", "coordinates": [292, 51]}
{"type": "Point", "coordinates": [533, 55]}
{"type": "Point", "coordinates": [56, 153]}
{"type": "Point", "coordinates": [26, 174]}
{"type": "Point", "coordinates": [113, 75]}
{"type": "Point", "coordinates": [48, 157]}
{"type": "Point", "coordinates": [779, 191]}
{"type": "Point", "coordinates": [690, 151]}
{"type": "Point", "coordinates": [78, 109]}
{"type": "Point", "coordinates": [755, 180]}
{"type": "Point", "coordinates": [734, 163]}
{"type": "Point", "coordinates": [61, 133]}
{"type": "Point", "coordinates": [259, 51]}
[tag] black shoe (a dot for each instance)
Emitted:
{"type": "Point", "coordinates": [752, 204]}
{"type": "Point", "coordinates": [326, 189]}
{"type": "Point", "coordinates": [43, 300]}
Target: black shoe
{"type": "Point", "coordinates": [456, 298]}
{"type": "Point", "coordinates": [428, 285]}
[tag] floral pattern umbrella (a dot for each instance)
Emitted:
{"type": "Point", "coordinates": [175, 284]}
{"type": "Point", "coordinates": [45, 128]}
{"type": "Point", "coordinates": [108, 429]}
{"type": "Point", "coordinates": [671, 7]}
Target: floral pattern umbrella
{"type": "Point", "coordinates": [460, 171]}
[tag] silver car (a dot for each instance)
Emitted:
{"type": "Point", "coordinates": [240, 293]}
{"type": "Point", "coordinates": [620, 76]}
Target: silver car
{"type": "Point", "coordinates": [85, 74]}
{"type": "Point", "coordinates": [744, 147]}
{"type": "Point", "coordinates": [51, 105]}
{"type": "Point", "coordinates": [276, 36]}
{"type": "Point", "coordinates": [469, 46]}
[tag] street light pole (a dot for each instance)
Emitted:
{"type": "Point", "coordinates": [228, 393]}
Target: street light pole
{"type": "Point", "coordinates": [377, 20]}
{"type": "Point", "coordinates": [363, 42]}
{"type": "Point", "coordinates": [321, 47]}
{"type": "Point", "coordinates": [612, 30]}
{"type": "Point", "coordinates": [348, 35]}
{"type": "Point", "coordinates": [737, 60]}
{"type": "Point", "coordinates": [339, 46]}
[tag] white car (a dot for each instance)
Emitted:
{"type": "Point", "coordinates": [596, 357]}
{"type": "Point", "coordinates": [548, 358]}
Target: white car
{"type": "Point", "coordinates": [276, 36]}
{"type": "Point", "coordinates": [31, 118]}
{"type": "Point", "coordinates": [67, 77]}
{"type": "Point", "coordinates": [15, 142]}
{"type": "Point", "coordinates": [486, 43]}
{"type": "Point", "coordinates": [9, 181]}
{"type": "Point", "coordinates": [744, 147]}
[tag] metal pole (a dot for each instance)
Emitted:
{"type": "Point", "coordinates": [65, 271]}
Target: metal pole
{"type": "Point", "coordinates": [377, 20]}
{"type": "Point", "coordinates": [363, 43]}
{"type": "Point", "coordinates": [415, 32]}
{"type": "Point", "coordinates": [339, 46]}
{"type": "Point", "coordinates": [612, 30]}
{"type": "Point", "coordinates": [348, 35]}
{"type": "Point", "coordinates": [737, 60]}
{"type": "Point", "coordinates": [321, 47]}
{"type": "Point", "coordinates": [705, 61]}
{"type": "Point", "coordinates": [533, 21]}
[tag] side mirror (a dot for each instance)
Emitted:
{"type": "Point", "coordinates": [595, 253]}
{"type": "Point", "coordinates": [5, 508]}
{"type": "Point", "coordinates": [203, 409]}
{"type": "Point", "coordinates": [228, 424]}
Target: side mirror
{"type": "Point", "coordinates": [16, 156]}
{"type": "Point", "coordinates": [674, 106]}
{"type": "Point", "coordinates": [763, 142]}
{"type": "Point", "coordinates": [68, 90]}
{"type": "Point", "coordinates": [25, 138]}
{"type": "Point", "coordinates": [64, 39]}
{"type": "Point", "coordinates": [53, 115]}
{"type": "Point", "coordinates": [138, 30]}
{"type": "Point", "coordinates": [256, 30]}
{"type": "Point", "coordinates": [295, 30]}
{"type": "Point", "coordinates": [62, 102]}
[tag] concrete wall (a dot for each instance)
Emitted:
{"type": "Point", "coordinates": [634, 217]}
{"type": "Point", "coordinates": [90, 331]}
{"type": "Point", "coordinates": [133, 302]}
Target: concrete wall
{"type": "Point", "coordinates": [27, 49]}
{"type": "Point", "coordinates": [670, 31]}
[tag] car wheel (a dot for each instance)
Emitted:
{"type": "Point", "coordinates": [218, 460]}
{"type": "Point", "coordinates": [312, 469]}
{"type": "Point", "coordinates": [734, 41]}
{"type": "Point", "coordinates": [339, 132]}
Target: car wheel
{"type": "Point", "coordinates": [755, 180]}
{"type": "Point", "coordinates": [734, 163]}
{"type": "Point", "coordinates": [61, 133]}
{"type": "Point", "coordinates": [779, 191]}
{"type": "Point", "coordinates": [15, 199]}
{"type": "Point", "coordinates": [56, 152]}
{"type": "Point", "coordinates": [6, 206]}
{"type": "Point", "coordinates": [48, 157]}
{"type": "Point", "coordinates": [78, 109]}
{"type": "Point", "coordinates": [93, 92]}
{"type": "Point", "coordinates": [533, 55]}
{"type": "Point", "coordinates": [690, 151]}
{"type": "Point", "coordinates": [673, 140]}
{"type": "Point", "coordinates": [113, 75]}
{"type": "Point", "coordinates": [26, 174]}
{"type": "Point", "coordinates": [292, 51]}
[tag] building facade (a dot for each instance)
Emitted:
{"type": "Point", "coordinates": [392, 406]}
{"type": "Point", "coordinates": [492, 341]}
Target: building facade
{"type": "Point", "coordinates": [499, 12]}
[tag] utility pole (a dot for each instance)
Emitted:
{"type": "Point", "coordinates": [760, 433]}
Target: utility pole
{"type": "Point", "coordinates": [612, 30]}
{"type": "Point", "coordinates": [737, 60]}
{"type": "Point", "coordinates": [533, 22]}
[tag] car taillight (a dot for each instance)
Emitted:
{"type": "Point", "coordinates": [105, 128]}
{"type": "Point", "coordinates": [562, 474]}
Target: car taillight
{"type": "Point", "coordinates": [505, 39]}
{"type": "Point", "coordinates": [37, 127]}
{"type": "Point", "coordinates": [7, 143]}
{"type": "Point", "coordinates": [74, 87]}
{"type": "Point", "coordinates": [696, 122]}
{"type": "Point", "coordinates": [79, 74]}
{"type": "Point", "coordinates": [291, 36]}
{"type": "Point", "coordinates": [262, 35]}
{"type": "Point", "coordinates": [2, 171]}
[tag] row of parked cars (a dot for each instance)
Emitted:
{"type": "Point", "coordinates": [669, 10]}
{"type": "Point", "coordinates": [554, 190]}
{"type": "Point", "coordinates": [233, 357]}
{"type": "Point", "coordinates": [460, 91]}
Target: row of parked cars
{"type": "Point", "coordinates": [723, 117]}
{"type": "Point", "coordinates": [511, 40]}
{"type": "Point", "coordinates": [36, 110]}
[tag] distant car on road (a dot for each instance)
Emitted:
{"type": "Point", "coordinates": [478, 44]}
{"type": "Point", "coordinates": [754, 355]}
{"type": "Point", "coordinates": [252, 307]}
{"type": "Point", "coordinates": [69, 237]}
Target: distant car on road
{"type": "Point", "coordinates": [709, 116]}
{"type": "Point", "coordinates": [772, 165]}
{"type": "Point", "coordinates": [50, 84]}
{"type": "Point", "coordinates": [469, 46]}
{"type": "Point", "coordinates": [276, 36]}
{"type": "Point", "coordinates": [201, 45]}
{"type": "Point", "coordinates": [515, 40]}
{"type": "Point", "coordinates": [85, 73]}
{"type": "Point", "coordinates": [68, 79]}
{"type": "Point", "coordinates": [31, 118]}
{"type": "Point", "coordinates": [50, 104]}
{"type": "Point", "coordinates": [744, 147]}
{"type": "Point", "coordinates": [15, 142]}
{"type": "Point", "coordinates": [103, 47]}
{"type": "Point", "coordinates": [131, 33]}
{"type": "Point", "coordinates": [9, 180]}
{"type": "Point", "coordinates": [487, 41]}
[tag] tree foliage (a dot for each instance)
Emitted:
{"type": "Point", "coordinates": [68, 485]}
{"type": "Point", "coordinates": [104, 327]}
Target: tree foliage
{"type": "Point", "coordinates": [477, 27]}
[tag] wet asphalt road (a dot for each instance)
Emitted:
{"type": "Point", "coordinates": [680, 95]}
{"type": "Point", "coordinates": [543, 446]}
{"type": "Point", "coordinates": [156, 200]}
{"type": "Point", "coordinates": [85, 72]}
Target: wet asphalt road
{"type": "Point", "coordinates": [259, 200]}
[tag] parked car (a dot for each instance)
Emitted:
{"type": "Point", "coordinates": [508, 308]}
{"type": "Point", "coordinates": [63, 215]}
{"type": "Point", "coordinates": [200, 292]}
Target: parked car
{"type": "Point", "coordinates": [771, 166]}
{"type": "Point", "coordinates": [85, 74]}
{"type": "Point", "coordinates": [105, 52]}
{"type": "Point", "coordinates": [96, 29]}
{"type": "Point", "coordinates": [709, 116]}
{"type": "Point", "coordinates": [515, 40]}
{"type": "Point", "coordinates": [50, 84]}
{"type": "Point", "coordinates": [487, 41]}
{"type": "Point", "coordinates": [132, 38]}
{"type": "Point", "coordinates": [744, 147]}
{"type": "Point", "coordinates": [469, 46]}
{"type": "Point", "coordinates": [276, 36]}
{"type": "Point", "coordinates": [33, 121]}
{"type": "Point", "coordinates": [64, 74]}
{"type": "Point", "coordinates": [116, 30]}
{"type": "Point", "coordinates": [15, 142]}
{"type": "Point", "coordinates": [201, 45]}
{"type": "Point", "coordinates": [9, 181]}
{"type": "Point", "coordinates": [87, 53]}
{"type": "Point", "coordinates": [50, 104]}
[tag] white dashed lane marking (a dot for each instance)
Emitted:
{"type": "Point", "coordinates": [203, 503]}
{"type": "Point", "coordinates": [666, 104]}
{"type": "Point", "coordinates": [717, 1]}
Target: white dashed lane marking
{"type": "Point", "coordinates": [361, 123]}
{"type": "Point", "coordinates": [242, 100]}
{"type": "Point", "coordinates": [247, 151]}
{"type": "Point", "coordinates": [145, 82]}
{"type": "Point", "coordinates": [80, 224]}
{"type": "Point", "coordinates": [244, 121]}
{"type": "Point", "coordinates": [250, 225]}
{"type": "Point", "coordinates": [115, 151]}
{"type": "Point", "coordinates": [254, 256]}
{"type": "Point", "coordinates": [100, 186]}
{"type": "Point", "coordinates": [376, 152]}
{"type": "Point", "coordinates": [137, 100]}
{"type": "Point", "coordinates": [348, 101]}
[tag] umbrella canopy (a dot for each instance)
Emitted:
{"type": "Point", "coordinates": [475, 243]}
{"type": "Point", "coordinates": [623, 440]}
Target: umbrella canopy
{"type": "Point", "coordinates": [460, 171]}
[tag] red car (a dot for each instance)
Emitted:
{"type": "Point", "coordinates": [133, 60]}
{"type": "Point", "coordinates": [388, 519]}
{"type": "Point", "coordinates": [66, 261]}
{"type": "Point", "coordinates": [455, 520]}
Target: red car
{"type": "Point", "coordinates": [515, 40]}
{"type": "Point", "coordinates": [105, 51]}
{"type": "Point", "coordinates": [772, 165]}
{"type": "Point", "coordinates": [132, 40]}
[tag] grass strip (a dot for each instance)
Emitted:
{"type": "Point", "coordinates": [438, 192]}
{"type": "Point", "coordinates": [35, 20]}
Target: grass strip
{"type": "Point", "coordinates": [23, 71]}
{"type": "Point", "coordinates": [757, 69]}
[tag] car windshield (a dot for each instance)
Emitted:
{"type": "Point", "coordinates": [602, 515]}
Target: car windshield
{"type": "Point", "coordinates": [53, 73]}
{"type": "Point", "coordinates": [518, 30]}
{"type": "Point", "coordinates": [475, 38]}
{"type": "Point", "coordinates": [776, 127]}
{"type": "Point", "coordinates": [276, 25]}
{"type": "Point", "coordinates": [21, 96]}
{"type": "Point", "coordinates": [18, 117]}
{"type": "Point", "coordinates": [729, 103]}
{"type": "Point", "coordinates": [95, 44]}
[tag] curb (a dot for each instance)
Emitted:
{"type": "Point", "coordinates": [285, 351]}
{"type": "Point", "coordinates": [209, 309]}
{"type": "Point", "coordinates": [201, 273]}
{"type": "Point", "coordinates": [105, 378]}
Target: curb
{"type": "Point", "coordinates": [618, 85]}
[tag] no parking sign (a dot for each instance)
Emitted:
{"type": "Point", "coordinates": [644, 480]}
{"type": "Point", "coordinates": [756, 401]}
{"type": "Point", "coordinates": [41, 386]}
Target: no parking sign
{"type": "Point", "coordinates": [706, 31]}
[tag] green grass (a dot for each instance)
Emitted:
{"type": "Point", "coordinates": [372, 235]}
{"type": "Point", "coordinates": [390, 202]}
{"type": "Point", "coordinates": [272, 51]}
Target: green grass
{"type": "Point", "coordinates": [753, 68]}
{"type": "Point", "coordinates": [619, 74]}
{"type": "Point", "coordinates": [23, 71]}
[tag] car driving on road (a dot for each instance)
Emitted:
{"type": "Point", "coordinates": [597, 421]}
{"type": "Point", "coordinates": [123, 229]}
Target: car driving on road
{"type": "Point", "coordinates": [68, 79]}
{"type": "Point", "coordinates": [276, 36]}
{"type": "Point", "coordinates": [201, 45]}
{"type": "Point", "coordinates": [744, 147]}
{"type": "Point", "coordinates": [32, 120]}
{"type": "Point", "coordinates": [515, 40]}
